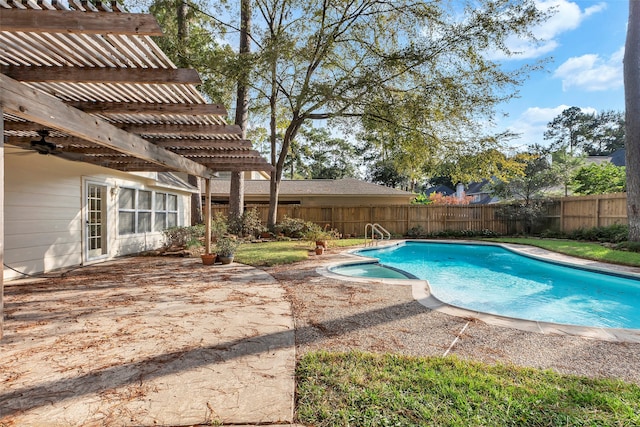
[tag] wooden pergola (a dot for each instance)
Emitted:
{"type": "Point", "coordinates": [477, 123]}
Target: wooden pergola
{"type": "Point", "coordinates": [103, 91]}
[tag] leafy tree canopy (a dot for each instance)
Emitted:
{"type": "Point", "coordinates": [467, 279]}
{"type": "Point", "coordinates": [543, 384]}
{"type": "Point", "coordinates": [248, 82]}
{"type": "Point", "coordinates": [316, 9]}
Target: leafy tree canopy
{"type": "Point", "coordinates": [191, 41]}
{"type": "Point", "coordinates": [330, 157]}
{"type": "Point", "coordinates": [538, 176]}
{"type": "Point", "coordinates": [564, 166]}
{"type": "Point", "coordinates": [417, 70]}
{"type": "Point", "coordinates": [600, 179]}
{"type": "Point", "coordinates": [579, 132]}
{"type": "Point", "coordinates": [487, 164]}
{"type": "Point", "coordinates": [384, 172]}
{"type": "Point", "coordinates": [418, 73]}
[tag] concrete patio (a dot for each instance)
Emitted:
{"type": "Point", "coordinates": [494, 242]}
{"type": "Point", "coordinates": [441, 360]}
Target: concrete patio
{"type": "Point", "coordinates": [147, 341]}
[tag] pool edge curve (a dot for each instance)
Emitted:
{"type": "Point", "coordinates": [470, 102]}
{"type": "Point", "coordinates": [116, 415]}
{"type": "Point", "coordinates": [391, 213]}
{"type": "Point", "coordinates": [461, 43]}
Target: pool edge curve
{"type": "Point", "coordinates": [421, 291]}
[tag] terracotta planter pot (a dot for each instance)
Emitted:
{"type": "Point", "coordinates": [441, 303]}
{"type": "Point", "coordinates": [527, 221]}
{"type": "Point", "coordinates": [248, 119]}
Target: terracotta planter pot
{"type": "Point", "coordinates": [319, 250]}
{"type": "Point", "coordinates": [208, 259]}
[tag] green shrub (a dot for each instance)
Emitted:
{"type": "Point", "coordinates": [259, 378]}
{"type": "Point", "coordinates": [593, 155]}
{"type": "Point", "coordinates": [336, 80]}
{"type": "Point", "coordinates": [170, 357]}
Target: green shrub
{"type": "Point", "coordinates": [293, 227]}
{"type": "Point", "coordinates": [613, 233]}
{"type": "Point", "coordinates": [416, 232]}
{"type": "Point", "coordinates": [553, 234]}
{"type": "Point", "coordinates": [183, 236]}
{"type": "Point", "coordinates": [628, 246]}
{"type": "Point", "coordinates": [226, 246]}
{"type": "Point", "coordinates": [219, 225]}
{"type": "Point", "coordinates": [248, 224]}
{"type": "Point", "coordinates": [528, 215]}
{"type": "Point", "coordinates": [419, 232]}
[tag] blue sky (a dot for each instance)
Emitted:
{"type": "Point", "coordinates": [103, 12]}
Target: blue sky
{"type": "Point", "coordinates": [584, 41]}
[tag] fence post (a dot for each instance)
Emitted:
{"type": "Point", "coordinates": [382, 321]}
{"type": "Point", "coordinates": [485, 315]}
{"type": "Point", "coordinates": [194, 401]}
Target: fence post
{"type": "Point", "coordinates": [598, 212]}
{"type": "Point", "coordinates": [332, 223]}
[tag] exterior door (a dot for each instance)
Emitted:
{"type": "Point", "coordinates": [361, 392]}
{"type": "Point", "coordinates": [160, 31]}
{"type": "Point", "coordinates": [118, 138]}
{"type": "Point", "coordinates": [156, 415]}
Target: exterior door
{"type": "Point", "coordinates": [96, 224]}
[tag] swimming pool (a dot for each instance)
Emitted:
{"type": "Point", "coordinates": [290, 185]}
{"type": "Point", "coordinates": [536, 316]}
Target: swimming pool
{"type": "Point", "coordinates": [492, 279]}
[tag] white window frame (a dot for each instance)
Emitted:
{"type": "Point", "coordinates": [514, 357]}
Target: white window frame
{"type": "Point", "coordinates": [167, 210]}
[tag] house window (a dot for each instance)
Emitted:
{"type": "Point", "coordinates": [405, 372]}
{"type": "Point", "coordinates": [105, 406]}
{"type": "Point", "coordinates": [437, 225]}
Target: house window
{"type": "Point", "coordinates": [127, 211]}
{"type": "Point", "coordinates": [140, 211]}
{"type": "Point", "coordinates": [165, 211]}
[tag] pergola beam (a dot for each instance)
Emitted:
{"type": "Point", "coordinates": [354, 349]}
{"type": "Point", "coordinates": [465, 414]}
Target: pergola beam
{"type": "Point", "coordinates": [150, 108]}
{"type": "Point", "coordinates": [241, 167]}
{"type": "Point", "coordinates": [39, 107]}
{"type": "Point", "coordinates": [154, 129]}
{"type": "Point", "coordinates": [181, 129]}
{"type": "Point", "coordinates": [201, 143]}
{"type": "Point", "coordinates": [227, 154]}
{"type": "Point", "coordinates": [131, 167]}
{"type": "Point", "coordinates": [217, 167]}
{"type": "Point", "coordinates": [76, 22]}
{"type": "Point", "coordinates": [101, 75]}
{"type": "Point", "coordinates": [78, 145]}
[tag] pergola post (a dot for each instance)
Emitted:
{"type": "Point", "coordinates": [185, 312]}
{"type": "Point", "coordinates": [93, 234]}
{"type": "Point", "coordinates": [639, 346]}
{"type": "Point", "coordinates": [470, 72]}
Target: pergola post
{"type": "Point", "coordinates": [207, 216]}
{"type": "Point", "coordinates": [1, 224]}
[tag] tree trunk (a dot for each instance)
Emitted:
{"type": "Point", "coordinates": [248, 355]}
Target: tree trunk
{"type": "Point", "coordinates": [276, 177]}
{"type": "Point", "coordinates": [272, 216]}
{"type": "Point", "coordinates": [274, 190]}
{"type": "Point", "coordinates": [183, 34]}
{"type": "Point", "coordinates": [632, 118]}
{"type": "Point", "coordinates": [236, 195]}
{"type": "Point", "coordinates": [196, 200]}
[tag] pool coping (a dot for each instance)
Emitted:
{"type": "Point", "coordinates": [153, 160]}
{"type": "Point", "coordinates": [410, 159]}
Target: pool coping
{"type": "Point", "coordinates": [421, 290]}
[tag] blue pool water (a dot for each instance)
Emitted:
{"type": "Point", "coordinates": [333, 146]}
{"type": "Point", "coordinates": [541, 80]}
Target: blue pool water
{"type": "Point", "coordinates": [492, 279]}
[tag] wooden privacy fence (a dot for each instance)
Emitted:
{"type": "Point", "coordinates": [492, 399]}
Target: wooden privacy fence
{"type": "Point", "coordinates": [564, 214]}
{"type": "Point", "coordinates": [601, 210]}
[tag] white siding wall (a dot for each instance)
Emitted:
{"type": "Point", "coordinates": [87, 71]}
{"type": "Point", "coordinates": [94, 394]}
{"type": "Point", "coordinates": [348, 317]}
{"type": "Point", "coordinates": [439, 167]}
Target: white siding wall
{"type": "Point", "coordinates": [44, 198]}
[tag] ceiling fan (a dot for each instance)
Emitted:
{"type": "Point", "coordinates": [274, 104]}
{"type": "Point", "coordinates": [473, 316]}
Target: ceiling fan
{"type": "Point", "coordinates": [43, 146]}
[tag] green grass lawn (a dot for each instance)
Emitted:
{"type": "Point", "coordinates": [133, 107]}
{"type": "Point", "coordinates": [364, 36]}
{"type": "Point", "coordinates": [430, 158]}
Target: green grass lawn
{"type": "Point", "coordinates": [588, 250]}
{"type": "Point", "coordinates": [287, 252]}
{"type": "Point", "coordinates": [358, 389]}
{"type": "Point", "coordinates": [267, 254]}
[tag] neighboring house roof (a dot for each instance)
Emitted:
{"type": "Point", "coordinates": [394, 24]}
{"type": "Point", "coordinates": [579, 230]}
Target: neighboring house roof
{"type": "Point", "coordinates": [476, 187]}
{"type": "Point", "coordinates": [442, 189]}
{"type": "Point", "coordinates": [484, 199]}
{"type": "Point", "coordinates": [312, 187]}
{"type": "Point", "coordinates": [597, 160]}
{"type": "Point", "coordinates": [618, 157]}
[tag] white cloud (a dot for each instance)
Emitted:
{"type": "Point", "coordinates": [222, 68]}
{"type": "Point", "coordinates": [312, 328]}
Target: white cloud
{"type": "Point", "coordinates": [566, 16]}
{"type": "Point", "coordinates": [532, 124]}
{"type": "Point", "coordinates": [595, 9]}
{"type": "Point", "coordinates": [592, 72]}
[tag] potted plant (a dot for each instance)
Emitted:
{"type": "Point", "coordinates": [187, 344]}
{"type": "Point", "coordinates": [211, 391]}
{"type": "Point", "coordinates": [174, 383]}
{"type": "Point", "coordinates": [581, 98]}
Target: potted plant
{"type": "Point", "coordinates": [317, 235]}
{"type": "Point", "coordinates": [226, 248]}
{"type": "Point", "coordinates": [208, 259]}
